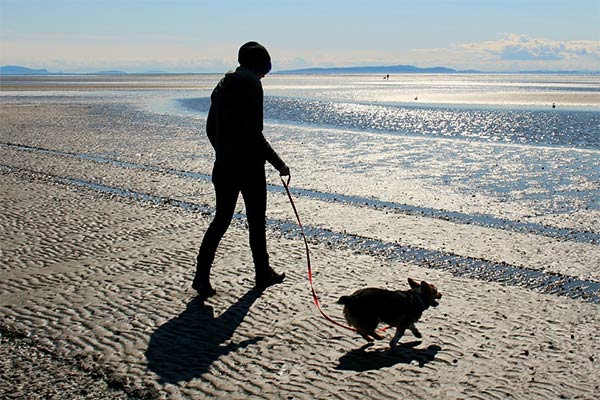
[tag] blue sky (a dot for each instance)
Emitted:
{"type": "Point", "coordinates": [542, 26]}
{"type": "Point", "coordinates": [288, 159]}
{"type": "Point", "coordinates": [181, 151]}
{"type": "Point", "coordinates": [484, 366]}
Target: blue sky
{"type": "Point", "coordinates": [203, 36]}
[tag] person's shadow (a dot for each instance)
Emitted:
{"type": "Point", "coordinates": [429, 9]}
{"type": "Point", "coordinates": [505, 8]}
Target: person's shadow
{"type": "Point", "coordinates": [360, 360]}
{"type": "Point", "coordinates": [185, 347]}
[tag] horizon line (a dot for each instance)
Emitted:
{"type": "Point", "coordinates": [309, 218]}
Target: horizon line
{"type": "Point", "coordinates": [411, 69]}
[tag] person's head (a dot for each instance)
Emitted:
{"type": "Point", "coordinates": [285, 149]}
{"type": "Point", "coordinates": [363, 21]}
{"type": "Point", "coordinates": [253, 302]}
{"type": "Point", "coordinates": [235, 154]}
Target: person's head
{"type": "Point", "coordinates": [255, 57]}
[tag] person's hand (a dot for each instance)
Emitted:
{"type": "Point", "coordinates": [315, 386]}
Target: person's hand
{"type": "Point", "coordinates": [284, 171]}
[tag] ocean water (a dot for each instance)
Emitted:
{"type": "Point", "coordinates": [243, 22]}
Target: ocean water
{"type": "Point", "coordinates": [450, 136]}
{"type": "Point", "coordinates": [528, 141]}
{"type": "Point", "coordinates": [499, 108]}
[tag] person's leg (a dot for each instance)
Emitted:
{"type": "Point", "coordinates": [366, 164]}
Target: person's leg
{"type": "Point", "coordinates": [226, 197]}
{"type": "Point", "coordinates": [254, 192]}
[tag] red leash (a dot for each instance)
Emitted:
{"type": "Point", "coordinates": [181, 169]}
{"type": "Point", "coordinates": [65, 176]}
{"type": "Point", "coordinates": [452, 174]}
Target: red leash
{"type": "Point", "coordinates": [310, 277]}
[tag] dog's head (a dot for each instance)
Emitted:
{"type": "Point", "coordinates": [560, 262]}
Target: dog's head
{"type": "Point", "coordinates": [428, 291]}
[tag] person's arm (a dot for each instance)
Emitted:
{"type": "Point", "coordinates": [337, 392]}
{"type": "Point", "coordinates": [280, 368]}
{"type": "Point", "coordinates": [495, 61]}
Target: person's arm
{"type": "Point", "coordinates": [211, 122]}
{"type": "Point", "coordinates": [263, 145]}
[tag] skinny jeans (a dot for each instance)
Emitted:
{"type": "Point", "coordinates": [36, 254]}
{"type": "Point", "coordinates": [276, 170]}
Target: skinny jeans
{"type": "Point", "coordinates": [253, 188]}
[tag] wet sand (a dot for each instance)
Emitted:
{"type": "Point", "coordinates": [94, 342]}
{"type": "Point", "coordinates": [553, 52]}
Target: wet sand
{"type": "Point", "coordinates": [95, 290]}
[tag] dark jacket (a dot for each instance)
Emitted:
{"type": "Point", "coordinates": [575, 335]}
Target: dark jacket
{"type": "Point", "coordinates": [235, 124]}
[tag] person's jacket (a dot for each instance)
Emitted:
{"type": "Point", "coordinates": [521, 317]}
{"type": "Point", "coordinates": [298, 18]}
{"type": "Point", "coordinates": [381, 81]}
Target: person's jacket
{"type": "Point", "coordinates": [235, 124]}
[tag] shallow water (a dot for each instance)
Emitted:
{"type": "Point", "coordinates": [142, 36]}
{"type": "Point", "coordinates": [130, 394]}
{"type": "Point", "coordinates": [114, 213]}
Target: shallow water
{"type": "Point", "coordinates": [510, 144]}
{"type": "Point", "coordinates": [488, 134]}
{"type": "Point", "coordinates": [580, 129]}
{"type": "Point", "coordinates": [493, 108]}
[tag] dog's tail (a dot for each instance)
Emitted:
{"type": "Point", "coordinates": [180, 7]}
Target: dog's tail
{"type": "Point", "coordinates": [344, 300]}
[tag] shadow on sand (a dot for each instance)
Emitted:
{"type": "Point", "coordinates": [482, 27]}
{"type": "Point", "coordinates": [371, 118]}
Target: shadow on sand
{"type": "Point", "coordinates": [360, 360]}
{"type": "Point", "coordinates": [185, 347]}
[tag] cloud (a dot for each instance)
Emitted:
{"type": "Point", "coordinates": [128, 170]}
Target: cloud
{"type": "Point", "coordinates": [521, 47]}
{"type": "Point", "coordinates": [524, 50]}
{"type": "Point", "coordinates": [513, 53]}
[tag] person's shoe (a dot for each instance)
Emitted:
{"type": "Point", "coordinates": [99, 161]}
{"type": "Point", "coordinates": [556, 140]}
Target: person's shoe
{"type": "Point", "coordinates": [270, 278]}
{"type": "Point", "coordinates": [203, 290]}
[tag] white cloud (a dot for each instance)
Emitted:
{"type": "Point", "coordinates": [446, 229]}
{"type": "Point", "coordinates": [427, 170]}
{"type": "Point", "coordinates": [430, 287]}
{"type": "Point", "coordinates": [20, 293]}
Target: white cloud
{"type": "Point", "coordinates": [518, 52]}
{"type": "Point", "coordinates": [524, 48]}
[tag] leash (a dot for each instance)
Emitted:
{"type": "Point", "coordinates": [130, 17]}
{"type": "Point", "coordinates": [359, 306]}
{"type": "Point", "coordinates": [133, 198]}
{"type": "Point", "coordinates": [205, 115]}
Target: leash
{"type": "Point", "coordinates": [310, 275]}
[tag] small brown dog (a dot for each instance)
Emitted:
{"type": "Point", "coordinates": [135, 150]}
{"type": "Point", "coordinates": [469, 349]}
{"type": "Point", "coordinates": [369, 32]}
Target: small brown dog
{"type": "Point", "coordinates": [366, 308]}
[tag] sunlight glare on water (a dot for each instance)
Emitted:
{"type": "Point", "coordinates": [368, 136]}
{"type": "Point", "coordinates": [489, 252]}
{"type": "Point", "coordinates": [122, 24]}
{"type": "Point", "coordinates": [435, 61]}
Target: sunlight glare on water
{"type": "Point", "coordinates": [507, 108]}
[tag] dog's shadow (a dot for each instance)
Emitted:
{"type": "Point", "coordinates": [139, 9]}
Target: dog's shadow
{"type": "Point", "coordinates": [360, 360]}
{"type": "Point", "coordinates": [185, 347]}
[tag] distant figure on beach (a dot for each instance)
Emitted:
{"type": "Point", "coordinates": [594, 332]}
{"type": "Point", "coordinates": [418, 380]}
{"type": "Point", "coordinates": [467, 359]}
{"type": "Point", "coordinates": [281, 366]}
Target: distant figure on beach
{"type": "Point", "coordinates": [553, 105]}
{"type": "Point", "coordinates": [234, 128]}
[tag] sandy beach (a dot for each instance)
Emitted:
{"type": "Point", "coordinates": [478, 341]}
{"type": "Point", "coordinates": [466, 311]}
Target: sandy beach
{"type": "Point", "coordinates": [104, 204]}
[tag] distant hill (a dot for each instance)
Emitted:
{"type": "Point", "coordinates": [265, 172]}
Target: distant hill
{"type": "Point", "coordinates": [18, 70]}
{"type": "Point", "coordinates": [382, 69]}
{"type": "Point", "coordinates": [389, 69]}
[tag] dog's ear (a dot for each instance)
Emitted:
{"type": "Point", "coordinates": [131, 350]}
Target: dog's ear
{"type": "Point", "coordinates": [413, 284]}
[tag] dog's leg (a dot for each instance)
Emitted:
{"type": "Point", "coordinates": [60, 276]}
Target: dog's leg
{"type": "Point", "coordinates": [376, 335]}
{"type": "Point", "coordinates": [397, 336]}
{"type": "Point", "coordinates": [414, 330]}
{"type": "Point", "coordinates": [365, 336]}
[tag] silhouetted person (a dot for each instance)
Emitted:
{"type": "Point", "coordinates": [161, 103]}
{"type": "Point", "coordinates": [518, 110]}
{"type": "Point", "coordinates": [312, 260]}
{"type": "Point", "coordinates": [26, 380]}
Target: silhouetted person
{"type": "Point", "coordinates": [234, 128]}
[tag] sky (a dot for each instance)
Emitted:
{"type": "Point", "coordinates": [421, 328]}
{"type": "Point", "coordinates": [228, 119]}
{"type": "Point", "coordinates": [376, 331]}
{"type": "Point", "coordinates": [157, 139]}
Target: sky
{"type": "Point", "coordinates": [204, 36]}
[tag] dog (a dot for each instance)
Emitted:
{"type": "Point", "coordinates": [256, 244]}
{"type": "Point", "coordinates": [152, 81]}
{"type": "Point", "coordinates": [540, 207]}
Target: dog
{"type": "Point", "coordinates": [366, 308]}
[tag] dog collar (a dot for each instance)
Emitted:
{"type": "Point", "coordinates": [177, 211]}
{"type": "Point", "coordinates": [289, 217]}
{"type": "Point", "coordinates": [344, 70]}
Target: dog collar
{"type": "Point", "coordinates": [421, 302]}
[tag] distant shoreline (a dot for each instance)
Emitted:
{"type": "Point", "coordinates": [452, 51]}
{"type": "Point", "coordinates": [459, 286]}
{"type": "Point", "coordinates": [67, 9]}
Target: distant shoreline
{"type": "Point", "coordinates": [370, 70]}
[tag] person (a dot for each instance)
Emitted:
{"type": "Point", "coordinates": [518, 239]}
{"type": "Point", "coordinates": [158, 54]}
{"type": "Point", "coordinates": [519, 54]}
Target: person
{"type": "Point", "coordinates": [234, 127]}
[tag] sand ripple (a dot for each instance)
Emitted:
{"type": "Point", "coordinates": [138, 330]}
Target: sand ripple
{"type": "Point", "coordinates": [103, 282]}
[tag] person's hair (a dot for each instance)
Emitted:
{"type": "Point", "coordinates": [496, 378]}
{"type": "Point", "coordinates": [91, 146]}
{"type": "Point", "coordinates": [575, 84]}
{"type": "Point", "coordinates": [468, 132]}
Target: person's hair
{"type": "Point", "coordinates": [255, 57]}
